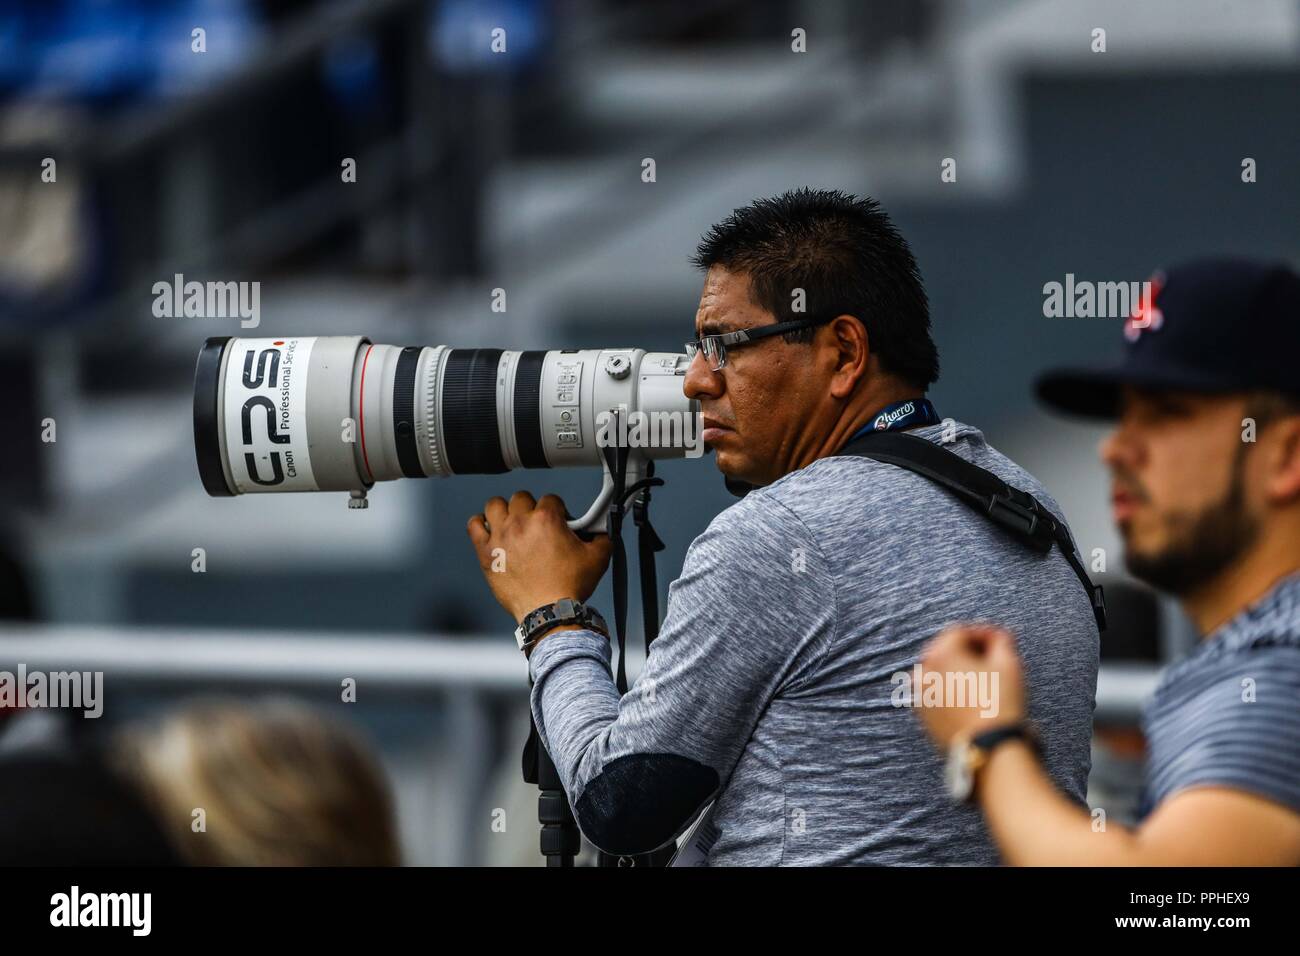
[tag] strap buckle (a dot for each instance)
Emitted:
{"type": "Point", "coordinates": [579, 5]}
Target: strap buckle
{"type": "Point", "coordinates": [1099, 606]}
{"type": "Point", "coordinates": [1024, 521]}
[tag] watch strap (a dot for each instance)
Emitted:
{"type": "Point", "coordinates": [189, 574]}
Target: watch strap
{"type": "Point", "coordinates": [538, 622]}
{"type": "Point", "coordinates": [1020, 730]}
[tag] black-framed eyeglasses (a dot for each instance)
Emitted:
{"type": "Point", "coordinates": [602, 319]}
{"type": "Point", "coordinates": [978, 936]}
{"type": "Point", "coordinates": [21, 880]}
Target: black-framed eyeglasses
{"type": "Point", "coordinates": [715, 347]}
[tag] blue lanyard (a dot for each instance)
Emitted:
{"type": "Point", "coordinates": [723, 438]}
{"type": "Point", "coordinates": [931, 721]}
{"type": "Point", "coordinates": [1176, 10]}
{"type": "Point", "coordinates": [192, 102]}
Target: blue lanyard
{"type": "Point", "coordinates": [912, 413]}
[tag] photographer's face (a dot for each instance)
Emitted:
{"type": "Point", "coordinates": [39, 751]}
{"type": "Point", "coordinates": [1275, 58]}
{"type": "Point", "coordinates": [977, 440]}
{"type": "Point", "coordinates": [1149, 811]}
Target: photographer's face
{"type": "Point", "coordinates": [1182, 493]}
{"type": "Point", "coordinates": [762, 410]}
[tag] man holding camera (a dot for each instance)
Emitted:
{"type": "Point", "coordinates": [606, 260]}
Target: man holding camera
{"type": "Point", "coordinates": [1205, 466]}
{"type": "Point", "coordinates": [772, 688]}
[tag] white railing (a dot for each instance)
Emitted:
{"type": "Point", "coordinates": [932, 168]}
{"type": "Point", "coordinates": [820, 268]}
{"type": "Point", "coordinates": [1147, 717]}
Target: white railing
{"type": "Point", "coordinates": [203, 656]}
{"type": "Point", "coordinates": [486, 663]}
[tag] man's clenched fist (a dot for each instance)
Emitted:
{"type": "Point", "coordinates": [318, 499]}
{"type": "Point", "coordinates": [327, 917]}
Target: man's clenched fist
{"type": "Point", "coordinates": [530, 557]}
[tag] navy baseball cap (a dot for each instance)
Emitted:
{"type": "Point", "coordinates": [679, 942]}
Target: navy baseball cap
{"type": "Point", "coordinates": [1212, 325]}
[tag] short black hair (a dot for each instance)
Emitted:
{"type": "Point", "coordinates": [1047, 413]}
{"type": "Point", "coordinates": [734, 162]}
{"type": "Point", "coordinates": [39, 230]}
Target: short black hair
{"type": "Point", "coordinates": [846, 256]}
{"type": "Point", "coordinates": [1266, 406]}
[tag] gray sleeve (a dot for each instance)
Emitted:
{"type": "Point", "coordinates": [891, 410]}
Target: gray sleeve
{"type": "Point", "coordinates": [1240, 730]}
{"type": "Point", "coordinates": [750, 616]}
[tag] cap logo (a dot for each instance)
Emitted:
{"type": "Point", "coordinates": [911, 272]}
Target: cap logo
{"type": "Point", "coordinates": [1146, 316]}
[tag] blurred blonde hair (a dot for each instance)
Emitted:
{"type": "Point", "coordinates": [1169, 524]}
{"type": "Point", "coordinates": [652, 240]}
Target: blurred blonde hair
{"type": "Point", "coordinates": [279, 785]}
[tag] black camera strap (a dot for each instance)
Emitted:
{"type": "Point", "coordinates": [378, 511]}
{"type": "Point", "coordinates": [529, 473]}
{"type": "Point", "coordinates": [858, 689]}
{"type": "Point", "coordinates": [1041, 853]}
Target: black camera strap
{"type": "Point", "coordinates": [1015, 511]}
{"type": "Point", "coordinates": [648, 544]}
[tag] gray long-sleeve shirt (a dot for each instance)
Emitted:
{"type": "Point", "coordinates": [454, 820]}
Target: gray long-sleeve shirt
{"type": "Point", "coordinates": [773, 683]}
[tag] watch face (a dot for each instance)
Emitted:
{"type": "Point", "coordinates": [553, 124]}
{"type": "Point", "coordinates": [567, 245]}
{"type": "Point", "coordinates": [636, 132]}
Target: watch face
{"type": "Point", "coordinates": [957, 771]}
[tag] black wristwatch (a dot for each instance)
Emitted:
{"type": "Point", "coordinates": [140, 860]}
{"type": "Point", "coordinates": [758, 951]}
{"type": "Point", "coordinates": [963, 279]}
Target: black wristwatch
{"type": "Point", "coordinates": [968, 755]}
{"type": "Point", "coordinates": [564, 611]}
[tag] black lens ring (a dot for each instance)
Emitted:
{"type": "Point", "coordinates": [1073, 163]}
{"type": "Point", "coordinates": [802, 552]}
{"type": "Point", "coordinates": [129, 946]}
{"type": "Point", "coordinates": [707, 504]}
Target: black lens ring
{"type": "Point", "coordinates": [469, 412]}
{"type": "Point", "coordinates": [207, 433]}
{"type": "Point", "coordinates": [408, 452]}
{"type": "Point", "coordinates": [528, 410]}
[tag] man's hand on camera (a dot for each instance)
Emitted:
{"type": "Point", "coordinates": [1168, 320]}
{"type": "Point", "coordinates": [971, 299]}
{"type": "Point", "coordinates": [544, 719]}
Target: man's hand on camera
{"type": "Point", "coordinates": [529, 555]}
{"type": "Point", "coordinates": [971, 649]}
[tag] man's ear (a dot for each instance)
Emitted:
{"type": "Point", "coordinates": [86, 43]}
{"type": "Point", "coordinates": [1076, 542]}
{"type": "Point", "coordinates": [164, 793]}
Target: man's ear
{"type": "Point", "coordinates": [1284, 463]}
{"type": "Point", "coordinates": [852, 355]}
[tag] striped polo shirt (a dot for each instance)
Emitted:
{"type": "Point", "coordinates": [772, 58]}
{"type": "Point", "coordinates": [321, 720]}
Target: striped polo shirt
{"type": "Point", "coordinates": [1229, 715]}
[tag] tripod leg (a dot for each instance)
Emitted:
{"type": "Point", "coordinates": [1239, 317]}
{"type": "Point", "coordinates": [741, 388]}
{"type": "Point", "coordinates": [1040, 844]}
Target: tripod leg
{"type": "Point", "coordinates": [560, 839]}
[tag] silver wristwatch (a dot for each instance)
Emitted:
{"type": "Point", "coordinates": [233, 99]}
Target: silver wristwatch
{"type": "Point", "coordinates": [968, 755]}
{"type": "Point", "coordinates": [564, 611]}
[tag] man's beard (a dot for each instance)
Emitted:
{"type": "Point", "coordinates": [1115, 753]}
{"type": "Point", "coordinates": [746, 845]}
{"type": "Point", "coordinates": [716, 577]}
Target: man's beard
{"type": "Point", "coordinates": [1201, 546]}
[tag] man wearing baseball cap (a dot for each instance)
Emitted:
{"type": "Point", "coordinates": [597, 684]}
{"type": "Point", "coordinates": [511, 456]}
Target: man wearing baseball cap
{"type": "Point", "coordinates": [1205, 469]}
